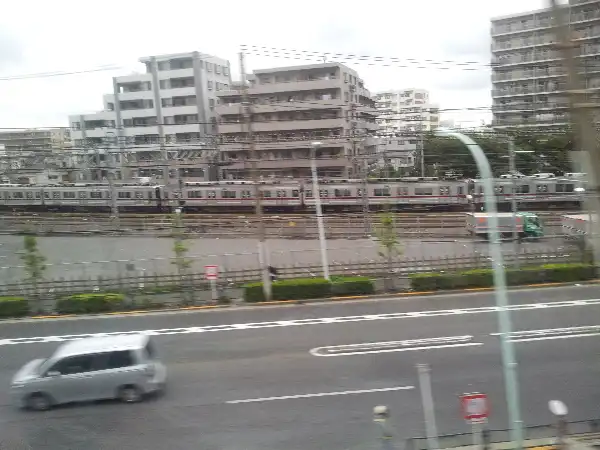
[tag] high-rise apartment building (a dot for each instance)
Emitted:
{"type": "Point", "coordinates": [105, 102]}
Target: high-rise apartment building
{"type": "Point", "coordinates": [292, 107]}
{"type": "Point", "coordinates": [528, 79]}
{"type": "Point", "coordinates": [406, 111]}
{"type": "Point", "coordinates": [166, 112]}
{"type": "Point", "coordinates": [35, 140]}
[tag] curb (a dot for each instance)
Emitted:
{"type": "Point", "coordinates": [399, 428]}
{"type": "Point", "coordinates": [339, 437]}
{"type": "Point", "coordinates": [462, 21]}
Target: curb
{"type": "Point", "coordinates": [394, 296]}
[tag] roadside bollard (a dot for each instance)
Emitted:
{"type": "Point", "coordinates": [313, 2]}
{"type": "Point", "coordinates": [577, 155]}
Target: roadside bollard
{"type": "Point", "coordinates": [381, 415]}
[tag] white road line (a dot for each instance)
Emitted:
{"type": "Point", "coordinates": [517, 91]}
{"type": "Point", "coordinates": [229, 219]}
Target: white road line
{"type": "Point", "coordinates": [552, 333]}
{"type": "Point", "coordinates": [320, 394]}
{"type": "Point", "coordinates": [546, 338]}
{"type": "Point", "coordinates": [301, 322]}
{"type": "Point", "coordinates": [316, 351]}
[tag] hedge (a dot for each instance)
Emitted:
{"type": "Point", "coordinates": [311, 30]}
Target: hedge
{"type": "Point", "coordinates": [546, 273]}
{"type": "Point", "coordinates": [308, 288]}
{"type": "Point", "coordinates": [13, 307]}
{"type": "Point", "coordinates": [90, 303]}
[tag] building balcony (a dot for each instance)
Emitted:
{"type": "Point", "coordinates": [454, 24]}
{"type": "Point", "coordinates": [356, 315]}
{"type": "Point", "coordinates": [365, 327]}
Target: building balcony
{"type": "Point", "coordinates": [136, 95]}
{"type": "Point", "coordinates": [283, 125]}
{"type": "Point", "coordinates": [285, 144]}
{"type": "Point", "coordinates": [134, 78]}
{"type": "Point", "coordinates": [179, 110]}
{"type": "Point", "coordinates": [289, 163]}
{"type": "Point", "coordinates": [530, 122]}
{"type": "Point", "coordinates": [258, 108]}
{"type": "Point", "coordinates": [142, 112]}
{"type": "Point", "coordinates": [183, 128]}
{"type": "Point", "coordinates": [176, 73]}
{"type": "Point", "coordinates": [585, 17]}
{"type": "Point", "coordinates": [295, 86]}
{"type": "Point", "coordinates": [178, 92]}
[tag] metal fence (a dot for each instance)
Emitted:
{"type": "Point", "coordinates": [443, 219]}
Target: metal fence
{"type": "Point", "coordinates": [160, 283]}
{"type": "Point", "coordinates": [533, 432]}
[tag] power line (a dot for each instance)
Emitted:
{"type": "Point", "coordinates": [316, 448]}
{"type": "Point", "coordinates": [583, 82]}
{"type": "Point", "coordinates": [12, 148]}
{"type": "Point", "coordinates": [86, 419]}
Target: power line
{"type": "Point", "coordinates": [58, 74]}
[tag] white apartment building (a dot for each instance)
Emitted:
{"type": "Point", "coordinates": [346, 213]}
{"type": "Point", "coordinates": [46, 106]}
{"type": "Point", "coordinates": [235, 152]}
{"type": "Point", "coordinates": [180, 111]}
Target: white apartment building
{"type": "Point", "coordinates": [528, 79]}
{"type": "Point", "coordinates": [166, 112]}
{"type": "Point", "coordinates": [292, 107]}
{"type": "Point", "coordinates": [406, 111]}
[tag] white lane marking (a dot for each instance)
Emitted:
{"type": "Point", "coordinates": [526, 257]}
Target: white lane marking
{"type": "Point", "coordinates": [320, 394]}
{"type": "Point", "coordinates": [552, 333]}
{"type": "Point", "coordinates": [301, 322]}
{"type": "Point", "coordinates": [316, 351]}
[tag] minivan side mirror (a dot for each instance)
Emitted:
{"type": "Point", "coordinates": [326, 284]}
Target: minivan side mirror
{"type": "Point", "coordinates": [53, 373]}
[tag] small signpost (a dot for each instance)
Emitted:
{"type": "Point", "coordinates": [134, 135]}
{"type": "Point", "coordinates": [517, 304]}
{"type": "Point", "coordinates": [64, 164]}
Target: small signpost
{"type": "Point", "coordinates": [211, 273]}
{"type": "Point", "coordinates": [475, 410]}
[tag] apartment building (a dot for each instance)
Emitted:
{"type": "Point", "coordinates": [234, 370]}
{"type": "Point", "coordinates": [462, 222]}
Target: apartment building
{"type": "Point", "coordinates": [166, 112]}
{"type": "Point", "coordinates": [292, 107]}
{"type": "Point", "coordinates": [528, 80]}
{"type": "Point", "coordinates": [406, 111]}
{"type": "Point", "coordinates": [35, 140]}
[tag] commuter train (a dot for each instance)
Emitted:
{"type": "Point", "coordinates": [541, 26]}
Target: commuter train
{"type": "Point", "coordinates": [410, 194]}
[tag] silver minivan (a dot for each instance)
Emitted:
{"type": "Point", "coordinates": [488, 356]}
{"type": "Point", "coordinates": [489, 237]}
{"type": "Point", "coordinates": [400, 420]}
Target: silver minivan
{"type": "Point", "coordinates": [96, 368]}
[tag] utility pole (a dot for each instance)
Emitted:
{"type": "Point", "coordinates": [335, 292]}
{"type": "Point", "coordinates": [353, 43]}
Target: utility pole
{"type": "Point", "coordinates": [365, 196]}
{"type": "Point", "coordinates": [581, 117]}
{"type": "Point", "coordinates": [512, 169]}
{"type": "Point", "coordinates": [114, 201]}
{"type": "Point", "coordinates": [260, 227]}
{"type": "Point", "coordinates": [421, 146]}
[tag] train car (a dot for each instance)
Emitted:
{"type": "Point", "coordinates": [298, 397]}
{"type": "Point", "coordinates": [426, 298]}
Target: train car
{"type": "Point", "coordinates": [233, 196]}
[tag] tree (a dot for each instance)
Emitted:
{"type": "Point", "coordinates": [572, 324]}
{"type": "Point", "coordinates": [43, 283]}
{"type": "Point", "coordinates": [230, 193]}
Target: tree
{"type": "Point", "coordinates": [180, 249]}
{"type": "Point", "coordinates": [34, 261]}
{"type": "Point", "coordinates": [389, 243]}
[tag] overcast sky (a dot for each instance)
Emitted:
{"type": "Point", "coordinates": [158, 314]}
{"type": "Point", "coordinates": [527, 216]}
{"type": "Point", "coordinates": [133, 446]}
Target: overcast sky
{"type": "Point", "coordinates": [39, 36]}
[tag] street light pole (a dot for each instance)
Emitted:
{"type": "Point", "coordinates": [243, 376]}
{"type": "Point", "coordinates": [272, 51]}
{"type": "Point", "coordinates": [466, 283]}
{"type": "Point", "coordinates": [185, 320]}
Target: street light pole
{"type": "Point", "coordinates": [509, 364]}
{"type": "Point", "coordinates": [317, 197]}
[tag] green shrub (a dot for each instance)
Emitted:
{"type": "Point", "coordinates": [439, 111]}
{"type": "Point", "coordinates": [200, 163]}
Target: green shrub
{"type": "Point", "coordinates": [13, 307]}
{"type": "Point", "coordinates": [293, 289]}
{"type": "Point", "coordinates": [514, 277]}
{"type": "Point", "coordinates": [352, 286]}
{"type": "Point", "coordinates": [568, 272]}
{"type": "Point", "coordinates": [90, 303]}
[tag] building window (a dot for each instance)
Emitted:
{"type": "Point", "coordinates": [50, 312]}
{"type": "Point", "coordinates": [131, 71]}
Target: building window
{"type": "Point", "coordinates": [225, 70]}
{"type": "Point", "coordinates": [210, 85]}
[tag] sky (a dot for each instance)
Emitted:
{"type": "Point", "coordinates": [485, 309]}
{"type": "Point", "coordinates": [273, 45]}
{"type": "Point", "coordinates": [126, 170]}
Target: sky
{"type": "Point", "coordinates": [38, 36]}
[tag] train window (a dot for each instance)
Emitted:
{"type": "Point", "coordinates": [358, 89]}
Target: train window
{"type": "Point", "coordinates": [423, 191]}
{"type": "Point", "coordinates": [47, 195]}
{"type": "Point", "coordinates": [359, 193]}
{"type": "Point", "coordinates": [403, 190]}
{"type": "Point", "coordinates": [569, 188]}
{"type": "Point", "coordinates": [382, 192]}
{"type": "Point", "coordinates": [107, 193]}
{"type": "Point", "coordinates": [17, 195]}
{"type": "Point", "coordinates": [444, 190]}
{"type": "Point", "coordinates": [342, 192]}
{"type": "Point", "coordinates": [308, 193]}
{"type": "Point", "coordinates": [150, 195]}
{"type": "Point", "coordinates": [281, 194]}
{"type": "Point", "coordinates": [228, 194]}
{"type": "Point", "coordinates": [139, 194]}
{"type": "Point", "coordinates": [56, 195]}
{"type": "Point", "coordinates": [498, 189]}
{"type": "Point", "coordinates": [211, 194]}
{"type": "Point", "coordinates": [29, 195]}
{"type": "Point", "coordinates": [82, 194]}
{"type": "Point", "coordinates": [461, 190]}
{"type": "Point", "coordinates": [324, 193]}
{"type": "Point", "coordinates": [194, 194]}
{"type": "Point", "coordinates": [38, 195]}
{"type": "Point", "coordinates": [295, 193]}
{"type": "Point", "coordinates": [246, 194]}
{"type": "Point", "coordinates": [523, 189]}
{"type": "Point", "coordinates": [124, 194]}
{"type": "Point", "coordinates": [266, 194]}
{"type": "Point", "coordinates": [69, 194]}
{"type": "Point", "coordinates": [542, 188]}
{"type": "Point", "coordinates": [96, 194]}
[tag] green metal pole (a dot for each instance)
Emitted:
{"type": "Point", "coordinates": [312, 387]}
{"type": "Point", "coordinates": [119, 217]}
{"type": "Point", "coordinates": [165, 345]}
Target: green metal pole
{"type": "Point", "coordinates": [509, 363]}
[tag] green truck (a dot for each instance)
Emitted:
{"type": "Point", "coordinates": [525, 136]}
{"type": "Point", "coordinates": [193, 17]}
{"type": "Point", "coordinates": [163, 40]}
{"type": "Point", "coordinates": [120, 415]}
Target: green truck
{"type": "Point", "coordinates": [528, 225]}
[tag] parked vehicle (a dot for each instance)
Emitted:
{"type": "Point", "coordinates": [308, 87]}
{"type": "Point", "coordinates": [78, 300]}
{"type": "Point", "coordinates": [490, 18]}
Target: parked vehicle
{"type": "Point", "coordinates": [528, 225]}
{"type": "Point", "coordinates": [123, 366]}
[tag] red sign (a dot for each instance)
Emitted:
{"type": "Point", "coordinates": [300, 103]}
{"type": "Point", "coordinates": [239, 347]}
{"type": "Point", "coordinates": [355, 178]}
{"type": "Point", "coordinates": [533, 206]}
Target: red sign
{"type": "Point", "coordinates": [474, 406]}
{"type": "Point", "coordinates": [211, 272]}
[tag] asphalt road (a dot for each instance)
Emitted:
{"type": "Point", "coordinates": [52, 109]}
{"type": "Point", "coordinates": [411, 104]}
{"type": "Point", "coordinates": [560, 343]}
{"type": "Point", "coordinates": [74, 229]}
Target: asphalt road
{"type": "Point", "coordinates": [106, 256]}
{"type": "Point", "coordinates": [256, 378]}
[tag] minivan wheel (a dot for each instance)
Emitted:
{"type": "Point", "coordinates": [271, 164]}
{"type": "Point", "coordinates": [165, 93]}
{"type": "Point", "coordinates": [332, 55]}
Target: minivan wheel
{"type": "Point", "coordinates": [39, 402]}
{"type": "Point", "coordinates": [130, 394]}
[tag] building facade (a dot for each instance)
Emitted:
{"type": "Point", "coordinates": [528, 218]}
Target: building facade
{"type": "Point", "coordinates": [35, 140]}
{"type": "Point", "coordinates": [168, 112]}
{"type": "Point", "coordinates": [406, 111]}
{"type": "Point", "coordinates": [528, 79]}
{"type": "Point", "coordinates": [291, 108]}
